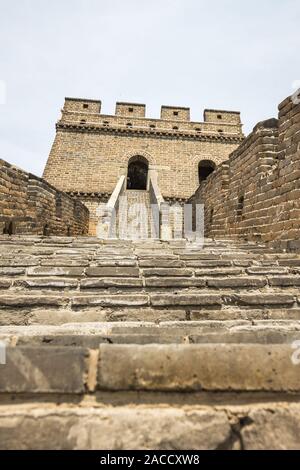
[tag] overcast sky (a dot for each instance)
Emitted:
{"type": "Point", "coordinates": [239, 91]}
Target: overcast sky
{"type": "Point", "coordinates": [225, 54]}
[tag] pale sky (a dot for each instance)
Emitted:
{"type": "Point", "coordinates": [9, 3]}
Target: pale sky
{"type": "Point", "coordinates": [224, 54]}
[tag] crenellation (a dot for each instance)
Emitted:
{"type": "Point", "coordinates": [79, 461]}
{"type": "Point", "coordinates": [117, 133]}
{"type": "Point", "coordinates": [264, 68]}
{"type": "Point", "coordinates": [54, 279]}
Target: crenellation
{"type": "Point", "coordinates": [82, 105]}
{"type": "Point", "coordinates": [175, 113]}
{"type": "Point", "coordinates": [130, 110]}
{"type": "Point", "coordinates": [222, 116]}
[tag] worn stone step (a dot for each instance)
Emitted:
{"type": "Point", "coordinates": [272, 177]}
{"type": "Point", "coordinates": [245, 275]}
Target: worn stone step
{"type": "Point", "coordinates": [198, 367]}
{"type": "Point", "coordinates": [167, 272]}
{"type": "Point", "coordinates": [90, 336]}
{"type": "Point", "coordinates": [284, 281]}
{"type": "Point", "coordinates": [51, 315]}
{"type": "Point", "coordinates": [264, 299]}
{"type": "Point", "coordinates": [5, 283]}
{"type": "Point", "coordinates": [175, 299]}
{"type": "Point", "coordinates": [44, 370]}
{"type": "Point", "coordinates": [112, 272]}
{"type": "Point", "coordinates": [206, 263]}
{"type": "Point", "coordinates": [122, 427]}
{"type": "Point", "coordinates": [55, 271]}
{"type": "Point", "coordinates": [174, 282]}
{"type": "Point", "coordinates": [18, 262]}
{"type": "Point", "coordinates": [251, 313]}
{"type": "Point", "coordinates": [219, 271]}
{"type": "Point", "coordinates": [48, 283]}
{"type": "Point", "coordinates": [8, 271]}
{"type": "Point", "coordinates": [267, 270]}
{"type": "Point", "coordinates": [110, 300]}
{"type": "Point", "coordinates": [236, 282]}
{"type": "Point", "coordinates": [65, 262]}
{"type": "Point", "coordinates": [96, 283]}
{"type": "Point", "coordinates": [158, 298]}
{"type": "Point", "coordinates": [113, 262]}
{"type": "Point", "coordinates": [36, 300]}
{"type": "Point", "coordinates": [289, 262]}
{"type": "Point", "coordinates": [154, 367]}
{"type": "Point", "coordinates": [161, 263]}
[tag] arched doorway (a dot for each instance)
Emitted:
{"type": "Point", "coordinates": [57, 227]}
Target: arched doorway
{"type": "Point", "coordinates": [137, 175]}
{"type": "Point", "coordinates": [9, 228]}
{"type": "Point", "coordinates": [205, 168]}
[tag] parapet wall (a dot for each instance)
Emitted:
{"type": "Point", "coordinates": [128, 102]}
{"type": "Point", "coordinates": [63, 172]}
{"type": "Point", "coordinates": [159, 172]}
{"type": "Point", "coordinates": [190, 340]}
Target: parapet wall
{"type": "Point", "coordinates": [29, 205]}
{"type": "Point", "coordinates": [255, 194]}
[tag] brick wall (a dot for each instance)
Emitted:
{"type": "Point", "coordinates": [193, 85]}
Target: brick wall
{"type": "Point", "coordinates": [255, 195]}
{"type": "Point", "coordinates": [30, 205]}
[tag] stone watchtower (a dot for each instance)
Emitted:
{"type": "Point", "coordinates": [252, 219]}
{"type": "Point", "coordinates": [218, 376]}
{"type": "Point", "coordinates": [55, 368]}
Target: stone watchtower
{"type": "Point", "coordinates": [92, 151]}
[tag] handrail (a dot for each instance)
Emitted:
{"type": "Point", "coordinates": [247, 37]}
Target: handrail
{"type": "Point", "coordinates": [156, 201]}
{"type": "Point", "coordinates": [155, 194]}
{"type": "Point", "coordinates": [107, 216]}
{"type": "Point", "coordinates": [114, 198]}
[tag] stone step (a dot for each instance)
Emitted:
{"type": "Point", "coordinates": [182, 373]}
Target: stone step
{"type": "Point", "coordinates": [92, 335]}
{"type": "Point", "coordinates": [191, 347]}
{"type": "Point", "coordinates": [49, 315]}
{"type": "Point", "coordinates": [151, 368]}
{"type": "Point", "coordinates": [267, 425]}
{"type": "Point", "coordinates": [170, 298]}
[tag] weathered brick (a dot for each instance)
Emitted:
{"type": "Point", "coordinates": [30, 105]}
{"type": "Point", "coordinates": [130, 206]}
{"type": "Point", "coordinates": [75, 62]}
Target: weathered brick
{"type": "Point", "coordinates": [12, 271]}
{"type": "Point", "coordinates": [189, 368]}
{"type": "Point", "coordinates": [184, 299]}
{"type": "Point", "coordinates": [112, 272]}
{"type": "Point", "coordinates": [109, 300]}
{"type": "Point", "coordinates": [49, 283]}
{"type": "Point", "coordinates": [171, 272]}
{"type": "Point", "coordinates": [44, 370]}
{"type": "Point", "coordinates": [110, 282]}
{"type": "Point", "coordinates": [264, 299]}
{"type": "Point", "coordinates": [174, 282]}
{"type": "Point", "coordinates": [284, 281]}
{"type": "Point", "coordinates": [19, 300]}
{"type": "Point", "coordinates": [237, 282]}
{"type": "Point", "coordinates": [55, 271]}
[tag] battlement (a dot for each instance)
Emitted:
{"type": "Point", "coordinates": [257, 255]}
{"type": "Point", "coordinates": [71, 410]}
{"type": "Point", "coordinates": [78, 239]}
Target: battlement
{"type": "Point", "coordinates": [129, 115]}
{"type": "Point", "coordinates": [130, 109]}
{"type": "Point", "coordinates": [172, 113]}
{"type": "Point", "coordinates": [80, 105]}
{"type": "Point", "coordinates": [222, 116]}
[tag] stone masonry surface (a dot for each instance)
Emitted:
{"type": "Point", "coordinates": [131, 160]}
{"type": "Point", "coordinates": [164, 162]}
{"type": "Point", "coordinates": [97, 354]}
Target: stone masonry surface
{"type": "Point", "coordinates": [114, 344]}
{"type": "Point", "coordinates": [255, 194]}
{"type": "Point", "coordinates": [29, 204]}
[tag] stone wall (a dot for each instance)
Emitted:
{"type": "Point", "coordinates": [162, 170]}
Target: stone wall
{"type": "Point", "coordinates": [29, 205]}
{"type": "Point", "coordinates": [255, 195]}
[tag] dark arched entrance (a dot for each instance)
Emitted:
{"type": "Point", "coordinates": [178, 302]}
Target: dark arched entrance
{"type": "Point", "coordinates": [205, 168]}
{"type": "Point", "coordinates": [137, 174]}
{"type": "Point", "coordinates": [10, 228]}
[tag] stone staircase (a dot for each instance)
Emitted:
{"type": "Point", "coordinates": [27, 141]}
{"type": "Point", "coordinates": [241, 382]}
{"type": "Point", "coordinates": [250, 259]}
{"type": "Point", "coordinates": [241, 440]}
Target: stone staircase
{"type": "Point", "coordinates": [121, 344]}
{"type": "Point", "coordinates": [134, 218]}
